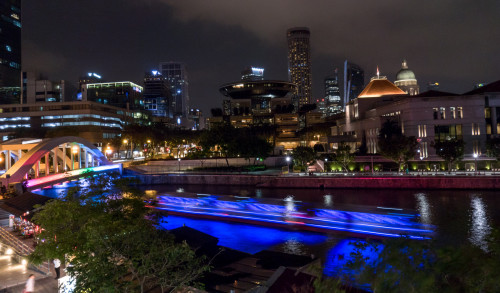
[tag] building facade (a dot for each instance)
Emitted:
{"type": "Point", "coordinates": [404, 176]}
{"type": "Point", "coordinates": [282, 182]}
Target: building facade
{"type": "Point", "coordinates": [431, 116]}
{"type": "Point", "coordinates": [10, 43]}
{"type": "Point", "coordinates": [93, 121]}
{"type": "Point", "coordinates": [36, 89]}
{"type": "Point", "coordinates": [177, 75]}
{"type": "Point", "coordinates": [124, 94]}
{"type": "Point", "coordinates": [299, 65]}
{"type": "Point", "coordinates": [157, 94]}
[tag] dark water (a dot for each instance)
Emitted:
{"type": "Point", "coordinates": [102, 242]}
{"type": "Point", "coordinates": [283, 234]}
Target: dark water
{"type": "Point", "coordinates": [458, 216]}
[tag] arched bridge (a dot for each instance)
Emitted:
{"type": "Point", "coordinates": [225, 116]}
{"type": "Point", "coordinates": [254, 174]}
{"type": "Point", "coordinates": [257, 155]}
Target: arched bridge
{"type": "Point", "coordinates": [42, 162]}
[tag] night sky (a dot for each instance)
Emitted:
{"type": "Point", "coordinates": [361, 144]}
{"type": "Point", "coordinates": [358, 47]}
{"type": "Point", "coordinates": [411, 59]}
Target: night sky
{"type": "Point", "coordinates": [456, 43]}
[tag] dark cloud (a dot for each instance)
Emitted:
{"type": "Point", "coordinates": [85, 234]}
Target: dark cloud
{"type": "Point", "coordinates": [453, 42]}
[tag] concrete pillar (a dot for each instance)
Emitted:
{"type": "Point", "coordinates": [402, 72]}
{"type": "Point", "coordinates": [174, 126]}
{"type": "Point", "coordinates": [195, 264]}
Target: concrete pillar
{"type": "Point", "coordinates": [64, 158]}
{"type": "Point", "coordinates": [47, 164]}
{"type": "Point", "coordinates": [7, 160]}
{"type": "Point", "coordinates": [54, 160]}
{"type": "Point", "coordinates": [80, 157]}
{"type": "Point", "coordinates": [37, 169]}
{"type": "Point", "coordinates": [493, 111]}
{"type": "Point", "coordinates": [86, 157]}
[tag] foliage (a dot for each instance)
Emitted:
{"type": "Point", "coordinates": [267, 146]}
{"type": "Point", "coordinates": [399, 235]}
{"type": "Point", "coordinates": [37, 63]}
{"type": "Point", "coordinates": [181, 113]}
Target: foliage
{"type": "Point", "coordinates": [493, 147]}
{"type": "Point", "coordinates": [111, 239]}
{"type": "Point", "coordinates": [343, 156]}
{"type": "Point", "coordinates": [405, 265]}
{"type": "Point", "coordinates": [450, 150]}
{"type": "Point", "coordinates": [303, 156]}
{"type": "Point", "coordinates": [394, 145]}
{"type": "Point", "coordinates": [231, 142]}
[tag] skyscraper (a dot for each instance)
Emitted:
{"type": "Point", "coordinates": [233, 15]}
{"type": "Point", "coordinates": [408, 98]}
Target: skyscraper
{"type": "Point", "coordinates": [333, 101]}
{"type": "Point", "coordinates": [299, 65]}
{"type": "Point", "coordinates": [10, 43]}
{"type": "Point", "coordinates": [177, 76]}
{"type": "Point", "coordinates": [354, 81]}
{"type": "Point", "coordinates": [157, 94]}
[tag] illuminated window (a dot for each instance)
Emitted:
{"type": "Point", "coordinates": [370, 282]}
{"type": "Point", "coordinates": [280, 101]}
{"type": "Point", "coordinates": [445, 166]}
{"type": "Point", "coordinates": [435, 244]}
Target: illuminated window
{"type": "Point", "coordinates": [475, 129]}
{"type": "Point", "coordinates": [460, 113]}
{"type": "Point", "coordinates": [435, 113]}
{"type": "Point", "coordinates": [453, 113]}
{"type": "Point", "coordinates": [442, 112]}
{"type": "Point", "coordinates": [476, 147]}
{"type": "Point", "coordinates": [422, 130]}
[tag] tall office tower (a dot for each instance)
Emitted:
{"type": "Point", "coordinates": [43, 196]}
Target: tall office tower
{"type": "Point", "coordinates": [299, 65]}
{"type": "Point", "coordinates": [10, 49]}
{"type": "Point", "coordinates": [157, 94]}
{"type": "Point", "coordinates": [123, 94]}
{"type": "Point", "coordinates": [333, 101]}
{"type": "Point", "coordinates": [354, 81]}
{"type": "Point", "coordinates": [252, 73]}
{"type": "Point", "coordinates": [177, 76]}
{"type": "Point", "coordinates": [406, 80]}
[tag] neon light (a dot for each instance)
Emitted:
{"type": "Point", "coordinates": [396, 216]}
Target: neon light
{"type": "Point", "coordinates": [72, 173]}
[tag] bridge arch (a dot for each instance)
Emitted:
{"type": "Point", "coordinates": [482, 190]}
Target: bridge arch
{"type": "Point", "coordinates": [28, 160]}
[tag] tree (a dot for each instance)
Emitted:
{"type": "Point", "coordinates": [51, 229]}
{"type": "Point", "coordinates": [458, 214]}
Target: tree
{"type": "Point", "coordinates": [303, 156]}
{"type": "Point", "coordinates": [493, 147]}
{"type": "Point", "coordinates": [406, 265]}
{"type": "Point", "coordinates": [112, 241]}
{"type": "Point", "coordinates": [343, 156]}
{"type": "Point", "coordinates": [223, 138]}
{"type": "Point", "coordinates": [394, 145]}
{"type": "Point", "coordinates": [450, 150]}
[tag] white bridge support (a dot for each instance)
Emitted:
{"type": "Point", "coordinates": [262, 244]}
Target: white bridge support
{"type": "Point", "coordinates": [32, 158]}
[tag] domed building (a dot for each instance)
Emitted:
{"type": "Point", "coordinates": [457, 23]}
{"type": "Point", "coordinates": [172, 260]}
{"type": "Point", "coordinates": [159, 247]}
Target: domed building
{"type": "Point", "coordinates": [405, 80]}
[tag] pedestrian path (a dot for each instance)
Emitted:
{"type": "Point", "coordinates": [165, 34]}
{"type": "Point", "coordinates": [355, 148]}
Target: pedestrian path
{"type": "Point", "coordinates": [13, 274]}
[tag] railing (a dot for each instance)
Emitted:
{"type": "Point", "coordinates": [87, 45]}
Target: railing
{"type": "Point", "coordinates": [22, 250]}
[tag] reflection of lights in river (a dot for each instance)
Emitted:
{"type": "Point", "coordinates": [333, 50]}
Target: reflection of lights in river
{"type": "Point", "coordinates": [328, 200]}
{"type": "Point", "coordinates": [424, 208]}
{"type": "Point", "coordinates": [180, 190]}
{"type": "Point", "coordinates": [289, 204]}
{"type": "Point", "coordinates": [479, 229]}
{"type": "Point", "coordinates": [293, 246]}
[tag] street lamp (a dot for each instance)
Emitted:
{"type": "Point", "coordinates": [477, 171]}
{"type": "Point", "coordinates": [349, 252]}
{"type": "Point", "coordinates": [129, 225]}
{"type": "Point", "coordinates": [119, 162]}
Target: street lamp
{"type": "Point", "coordinates": [288, 163]}
{"type": "Point", "coordinates": [326, 165]}
{"type": "Point", "coordinates": [179, 160]}
{"type": "Point", "coordinates": [108, 151]}
{"type": "Point", "coordinates": [421, 158]}
{"type": "Point", "coordinates": [475, 164]}
{"type": "Point", "coordinates": [125, 142]}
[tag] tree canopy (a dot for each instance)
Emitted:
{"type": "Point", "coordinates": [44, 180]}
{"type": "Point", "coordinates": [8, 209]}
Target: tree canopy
{"type": "Point", "coordinates": [303, 156]}
{"type": "Point", "coordinates": [450, 150]}
{"type": "Point", "coordinates": [112, 242]}
{"type": "Point", "coordinates": [394, 145]}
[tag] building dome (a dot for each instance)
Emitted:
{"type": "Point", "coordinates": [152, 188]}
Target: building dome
{"type": "Point", "coordinates": [406, 80]}
{"type": "Point", "coordinates": [405, 73]}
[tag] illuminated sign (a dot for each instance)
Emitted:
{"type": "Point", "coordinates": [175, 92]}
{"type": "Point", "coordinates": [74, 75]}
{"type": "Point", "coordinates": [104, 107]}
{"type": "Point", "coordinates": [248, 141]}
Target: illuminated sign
{"type": "Point", "coordinates": [90, 74]}
{"type": "Point", "coordinates": [258, 71]}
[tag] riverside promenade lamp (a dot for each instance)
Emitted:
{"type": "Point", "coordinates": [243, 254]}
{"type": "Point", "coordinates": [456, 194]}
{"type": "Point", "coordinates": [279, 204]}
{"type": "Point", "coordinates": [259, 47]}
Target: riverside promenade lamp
{"type": "Point", "coordinates": [476, 172]}
{"type": "Point", "coordinates": [288, 163]}
{"type": "Point", "coordinates": [179, 160]}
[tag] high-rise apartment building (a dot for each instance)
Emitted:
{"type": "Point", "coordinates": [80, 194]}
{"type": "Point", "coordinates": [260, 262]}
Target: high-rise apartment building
{"type": "Point", "coordinates": [177, 76]}
{"type": "Point", "coordinates": [10, 43]}
{"type": "Point", "coordinates": [354, 81]}
{"type": "Point", "coordinates": [299, 65]}
{"type": "Point", "coordinates": [157, 94]}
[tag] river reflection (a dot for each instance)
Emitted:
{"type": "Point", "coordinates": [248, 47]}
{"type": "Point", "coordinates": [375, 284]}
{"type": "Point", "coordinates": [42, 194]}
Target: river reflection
{"type": "Point", "coordinates": [424, 208]}
{"type": "Point", "coordinates": [479, 228]}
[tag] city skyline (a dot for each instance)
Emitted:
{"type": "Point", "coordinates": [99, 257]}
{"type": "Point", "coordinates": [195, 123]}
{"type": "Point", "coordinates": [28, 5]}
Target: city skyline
{"type": "Point", "coordinates": [123, 39]}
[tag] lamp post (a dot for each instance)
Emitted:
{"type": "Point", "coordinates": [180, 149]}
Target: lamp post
{"type": "Point", "coordinates": [326, 165]}
{"type": "Point", "coordinates": [288, 163]}
{"type": "Point", "coordinates": [421, 158]}
{"type": "Point", "coordinates": [108, 152]}
{"type": "Point", "coordinates": [179, 160]}
{"type": "Point", "coordinates": [475, 164]}
{"type": "Point", "coordinates": [125, 142]}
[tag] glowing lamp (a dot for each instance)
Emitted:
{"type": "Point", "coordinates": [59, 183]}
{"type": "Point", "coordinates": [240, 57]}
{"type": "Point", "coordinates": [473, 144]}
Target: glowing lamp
{"type": "Point", "coordinates": [74, 149]}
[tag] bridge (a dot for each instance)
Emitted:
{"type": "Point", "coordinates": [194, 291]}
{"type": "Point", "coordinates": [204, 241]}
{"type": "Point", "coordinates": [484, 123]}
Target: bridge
{"type": "Point", "coordinates": [44, 162]}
